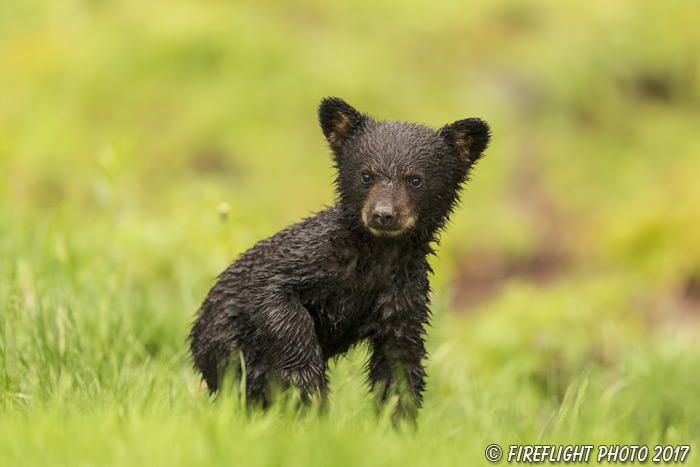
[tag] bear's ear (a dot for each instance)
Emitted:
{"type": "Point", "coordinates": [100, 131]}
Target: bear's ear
{"type": "Point", "coordinates": [467, 138]}
{"type": "Point", "coordinates": [338, 121]}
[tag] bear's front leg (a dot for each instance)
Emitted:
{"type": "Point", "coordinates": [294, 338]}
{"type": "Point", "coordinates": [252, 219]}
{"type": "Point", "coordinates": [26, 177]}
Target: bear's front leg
{"type": "Point", "coordinates": [286, 336]}
{"type": "Point", "coordinates": [396, 368]}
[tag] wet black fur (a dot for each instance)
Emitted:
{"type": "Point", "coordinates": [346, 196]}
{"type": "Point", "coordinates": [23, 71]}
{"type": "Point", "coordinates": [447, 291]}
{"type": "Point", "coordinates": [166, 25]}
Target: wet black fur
{"type": "Point", "coordinates": [318, 287]}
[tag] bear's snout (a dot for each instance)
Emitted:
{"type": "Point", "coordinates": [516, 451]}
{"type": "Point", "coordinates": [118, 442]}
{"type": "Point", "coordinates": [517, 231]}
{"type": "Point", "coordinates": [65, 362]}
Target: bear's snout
{"type": "Point", "coordinates": [386, 211]}
{"type": "Point", "coordinates": [384, 215]}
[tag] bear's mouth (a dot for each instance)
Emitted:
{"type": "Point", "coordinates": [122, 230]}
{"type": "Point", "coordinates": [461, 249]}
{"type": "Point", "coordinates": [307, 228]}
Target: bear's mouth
{"type": "Point", "coordinates": [386, 232]}
{"type": "Point", "coordinates": [393, 229]}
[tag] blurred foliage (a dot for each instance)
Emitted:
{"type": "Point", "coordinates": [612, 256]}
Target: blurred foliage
{"type": "Point", "coordinates": [144, 145]}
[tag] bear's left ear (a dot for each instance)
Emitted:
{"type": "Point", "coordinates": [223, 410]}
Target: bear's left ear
{"type": "Point", "coordinates": [338, 121]}
{"type": "Point", "coordinates": [467, 138]}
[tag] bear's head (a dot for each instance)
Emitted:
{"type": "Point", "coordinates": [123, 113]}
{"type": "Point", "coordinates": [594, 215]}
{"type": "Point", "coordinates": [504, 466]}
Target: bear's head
{"type": "Point", "coordinates": [399, 178]}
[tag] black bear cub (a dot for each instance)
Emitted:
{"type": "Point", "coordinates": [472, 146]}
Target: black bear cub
{"type": "Point", "coordinates": [356, 271]}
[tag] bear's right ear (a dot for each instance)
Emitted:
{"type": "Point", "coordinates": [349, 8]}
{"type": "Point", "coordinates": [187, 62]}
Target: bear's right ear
{"type": "Point", "coordinates": [338, 121]}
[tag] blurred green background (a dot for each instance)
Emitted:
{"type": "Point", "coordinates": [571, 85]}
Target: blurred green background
{"type": "Point", "coordinates": [567, 288]}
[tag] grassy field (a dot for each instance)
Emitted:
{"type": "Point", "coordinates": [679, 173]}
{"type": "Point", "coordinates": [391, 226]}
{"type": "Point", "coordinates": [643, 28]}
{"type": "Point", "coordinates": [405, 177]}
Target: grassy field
{"type": "Point", "coordinates": [566, 291]}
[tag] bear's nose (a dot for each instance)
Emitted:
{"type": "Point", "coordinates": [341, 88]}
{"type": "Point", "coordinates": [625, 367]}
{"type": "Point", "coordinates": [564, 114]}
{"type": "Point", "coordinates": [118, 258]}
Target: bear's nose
{"type": "Point", "coordinates": [383, 213]}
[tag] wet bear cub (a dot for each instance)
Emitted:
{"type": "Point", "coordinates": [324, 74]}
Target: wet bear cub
{"type": "Point", "coordinates": [356, 271]}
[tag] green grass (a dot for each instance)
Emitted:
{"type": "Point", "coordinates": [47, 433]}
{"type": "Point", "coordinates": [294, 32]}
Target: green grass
{"type": "Point", "coordinates": [567, 288]}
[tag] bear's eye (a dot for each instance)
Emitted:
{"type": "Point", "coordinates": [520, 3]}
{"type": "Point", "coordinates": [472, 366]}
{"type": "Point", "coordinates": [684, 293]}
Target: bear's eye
{"type": "Point", "coordinates": [366, 177]}
{"type": "Point", "coordinates": [416, 182]}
